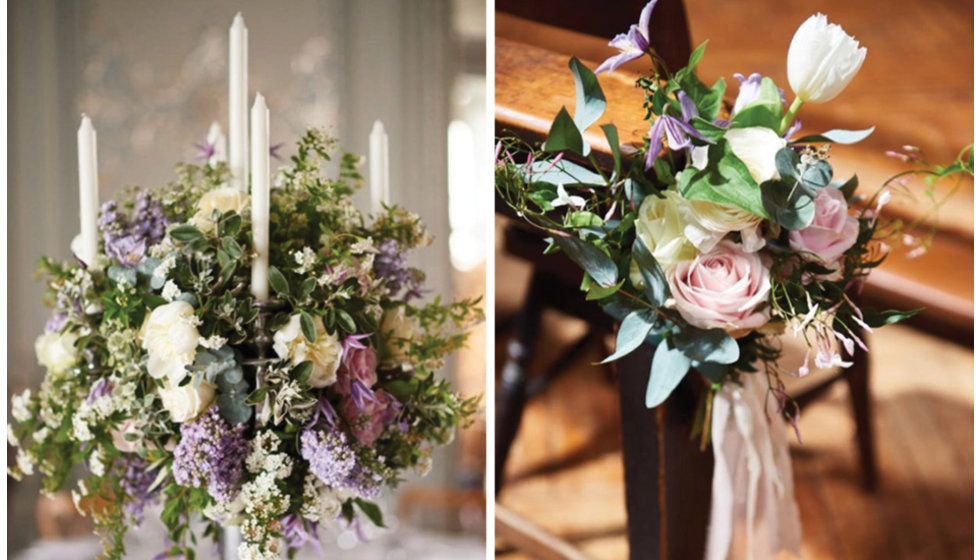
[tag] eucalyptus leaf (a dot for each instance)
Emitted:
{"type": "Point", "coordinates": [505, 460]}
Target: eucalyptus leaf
{"type": "Point", "coordinates": [563, 172]}
{"type": "Point", "coordinates": [592, 259]}
{"type": "Point", "coordinates": [668, 368]}
{"type": "Point", "coordinates": [712, 370]}
{"type": "Point", "coordinates": [590, 102]}
{"type": "Point", "coordinates": [654, 282]}
{"type": "Point", "coordinates": [632, 332]}
{"type": "Point", "coordinates": [121, 275]}
{"type": "Point", "coordinates": [837, 136]}
{"type": "Point", "coordinates": [788, 165]}
{"type": "Point", "coordinates": [612, 136]}
{"type": "Point", "coordinates": [564, 135]}
{"type": "Point", "coordinates": [711, 345]}
{"type": "Point", "coordinates": [790, 205]}
{"type": "Point", "coordinates": [816, 176]}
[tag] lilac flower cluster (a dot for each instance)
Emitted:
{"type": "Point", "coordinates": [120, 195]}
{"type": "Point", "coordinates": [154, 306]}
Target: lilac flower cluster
{"type": "Point", "coordinates": [211, 454]}
{"type": "Point", "coordinates": [298, 531]}
{"type": "Point", "coordinates": [331, 458]}
{"type": "Point", "coordinates": [56, 323]}
{"type": "Point", "coordinates": [136, 484]}
{"type": "Point", "coordinates": [126, 240]}
{"type": "Point", "coordinates": [391, 264]}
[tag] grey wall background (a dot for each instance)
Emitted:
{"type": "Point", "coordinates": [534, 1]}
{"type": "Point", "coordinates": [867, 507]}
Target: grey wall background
{"type": "Point", "coordinates": [153, 76]}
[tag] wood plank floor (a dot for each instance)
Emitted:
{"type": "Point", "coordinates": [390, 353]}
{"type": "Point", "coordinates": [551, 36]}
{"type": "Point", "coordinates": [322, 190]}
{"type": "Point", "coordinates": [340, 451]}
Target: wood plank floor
{"type": "Point", "coordinates": [923, 389]}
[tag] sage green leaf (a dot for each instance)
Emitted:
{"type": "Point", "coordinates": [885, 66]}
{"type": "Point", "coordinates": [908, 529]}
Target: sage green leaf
{"type": "Point", "coordinates": [278, 281]}
{"type": "Point", "coordinates": [654, 283]}
{"type": "Point", "coordinates": [564, 135]}
{"type": "Point", "coordinates": [632, 332]}
{"type": "Point", "coordinates": [789, 204]}
{"type": "Point", "coordinates": [186, 233]}
{"type": "Point", "coordinates": [612, 136]}
{"type": "Point", "coordinates": [711, 345]}
{"type": "Point", "coordinates": [669, 366]}
{"type": "Point", "coordinates": [592, 259]}
{"type": "Point", "coordinates": [563, 172]}
{"type": "Point", "coordinates": [307, 326]}
{"type": "Point", "coordinates": [590, 102]}
{"type": "Point", "coordinates": [788, 165]}
{"type": "Point", "coordinates": [231, 247]}
{"type": "Point", "coordinates": [816, 176]}
{"type": "Point", "coordinates": [837, 136]}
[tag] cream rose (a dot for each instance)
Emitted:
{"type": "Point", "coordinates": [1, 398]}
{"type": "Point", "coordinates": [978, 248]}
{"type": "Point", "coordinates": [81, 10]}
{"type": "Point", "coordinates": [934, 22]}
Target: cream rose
{"type": "Point", "coordinates": [832, 232]}
{"type": "Point", "coordinates": [290, 344]}
{"type": "Point", "coordinates": [723, 288]}
{"type": "Point", "coordinates": [56, 351]}
{"type": "Point", "coordinates": [187, 402]}
{"type": "Point", "coordinates": [221, 199]}
{"type": "Point", "coordinates": [660, 226]}
{"type": "Point", "coordinates": [756, 146]}
{"type": "Point", "coordinates": [709, 223]}
{"type": "Point", "coordinates": [397, 331]}
{"type": "Point", "coordinates": [170, 337]}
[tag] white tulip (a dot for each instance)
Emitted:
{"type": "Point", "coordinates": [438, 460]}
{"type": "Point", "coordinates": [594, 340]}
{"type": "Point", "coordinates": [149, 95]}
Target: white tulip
{"type": "Point", "coordinates": [756, 146]}
{"type": "Point", "coordinates": [822, 60]}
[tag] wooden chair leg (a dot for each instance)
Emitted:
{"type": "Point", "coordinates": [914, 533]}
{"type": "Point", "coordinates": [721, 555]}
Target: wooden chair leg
{"type": "Point", "coordinates": [858, 382]}
{"type": "Point", "coordinates": [512, 389]}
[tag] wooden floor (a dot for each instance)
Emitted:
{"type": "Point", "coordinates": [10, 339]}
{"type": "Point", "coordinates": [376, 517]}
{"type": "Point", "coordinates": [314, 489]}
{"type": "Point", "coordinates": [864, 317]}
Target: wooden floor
{"type": "Point", "coordinates": [923, 390]}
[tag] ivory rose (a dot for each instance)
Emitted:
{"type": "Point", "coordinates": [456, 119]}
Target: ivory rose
{"type": "Point", "coordinates": [710, 222]}
{"type": "Point", "coordinates": [660, 226]}
{"type": "Point", "coordinates": [832, 232]}
{"type": "Point", "coordinates": [290, 344]}
{"type": "Point", "coordinates": [822, 60]}
{"type": "Point", "coordinates": [397, 332]}
{"type": "Point", "coordinates": [723, 288]}
{"type": "Point", "coordinates": [186, 402]}
{"type": "Point", "coordinates": [56, 351]}
{"type": "Point", "coordinates": [756, 146]}
{"type": "Point", "coordinates": [221, 199]}
{"type": "Point", "coordinates": [170, 338]}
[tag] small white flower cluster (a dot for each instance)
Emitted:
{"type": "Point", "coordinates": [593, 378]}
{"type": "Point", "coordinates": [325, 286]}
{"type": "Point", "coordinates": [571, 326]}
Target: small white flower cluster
{"type": "Point", "coordinates": [165, 249]}
{"type": "Point", "coordinates": [170, 291]}
{"type": "Point", "coordinates": [305, 260]}
{"type": "Point", "coordinates": [18, 406]}
{"type": "Point", "coordinates": [166, 265]}
{"type": "Point", "coordinates": [213, 342]}
{"type": "Point", "coordinates": [321, 503]}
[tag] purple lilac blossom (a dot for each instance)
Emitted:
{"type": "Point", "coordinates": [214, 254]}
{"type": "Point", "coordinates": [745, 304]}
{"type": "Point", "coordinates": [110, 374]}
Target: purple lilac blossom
{"type": "Point", "coordinates": [298, 531]}
{"type": "Point", "coordinates": [633, 44]}
{"type": "Point", "coordinates": [390, 264]}
{"type": "Point", "coordinates": [126, 241]}
{"type": "Point", "coordinates": [331, 458]}
{"type": "Point", "coordinates": [56, 323]}
{"type": "Point", "coordinates": [211, 454]}
{"type": "Point", "coordinates": [100, 388]}
{"type": "Point", "coordinates": [135, 483]}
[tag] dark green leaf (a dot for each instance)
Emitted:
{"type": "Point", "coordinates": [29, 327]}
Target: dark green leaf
{"type": "Point", "coordinates": [371, 510]}
{"type": "Point", "coordinates": [788, 165]}
{"type": "Point", "coordinates": [601, 292]}
{"type": "Point", "coordinates": [278, 281]}
{"type": "Point", "coordinates": [582, 219]}
{"type": "Point", "coordinates": [307, 287]}
{"type": "Point", "coordinates": [592, 259]}
{"type": "Point", "coordinates": [875, 319]}
{"type": "Point", "coordinates": [230, 225]}
{"type": "Point", "coordinates": [724, 180]}
{"type": "Point", "coordinates": [590, 103]}
{"type": "Point", "coordinates": [654, 282]}
{"type": "Point", "coordinates": [186, 233]}
{"type": "Point", "coordinates": [848, 188]}
{"type": "Point", "coordinates": [713, 345]}
{"type": "Point", "coordinates": [632, 332]}
{"type": "Point", "coordinates": [346, 321]}
{"type": "Point", "coordinates": [564, 135]}
{"type": "Point", "coordinates": [307, 326]}
{"type": "Point", "coordinates": [612, 136]}
{"type": "Point", "coordinates": [303, 372]}
{"type": "Point", "coordinates": [713, 371]}
{"type": "Point", "coordinates": [231, 247]}
{"type": "Point", "coordinates": [257, 396]}
{"type": "Point", "coordinates": [669, 366]}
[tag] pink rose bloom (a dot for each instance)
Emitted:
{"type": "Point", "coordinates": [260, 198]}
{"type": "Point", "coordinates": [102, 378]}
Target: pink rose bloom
{"type": "Point", "coordinates": [360, 364]}
{"type": "Point", "coordinates": [722, 288]}
{"type": "Point", "coordinates": [832, 232]}
{"type": "Point", "coordinates": [369, 420]}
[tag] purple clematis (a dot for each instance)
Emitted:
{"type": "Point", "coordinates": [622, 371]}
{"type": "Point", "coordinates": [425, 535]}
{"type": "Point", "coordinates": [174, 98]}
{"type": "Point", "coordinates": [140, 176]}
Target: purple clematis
{"type": "Point", "coordinates": [633, 44]}
{"type": "Point", "coordinates": [678, 130]}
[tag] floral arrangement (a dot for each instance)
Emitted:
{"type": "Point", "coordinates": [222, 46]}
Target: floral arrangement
{"type": "Point", "coordinates": [152, 353]}
{"type": "Point", "coordinates": [725, 228]}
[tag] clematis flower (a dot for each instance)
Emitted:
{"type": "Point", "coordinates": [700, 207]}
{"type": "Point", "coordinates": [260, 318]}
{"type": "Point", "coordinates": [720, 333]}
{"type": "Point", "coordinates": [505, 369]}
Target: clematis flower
{"type": "Point", "coordinates": [633, 44]}
{"type": "Point", "coordinates": [748, 91]}
{"type": "Point", "coordinates": [677, 130]}
{"type": "Point", "coordinates": [822, 60]}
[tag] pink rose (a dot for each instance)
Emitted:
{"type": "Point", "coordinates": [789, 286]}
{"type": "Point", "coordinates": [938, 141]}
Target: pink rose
{"type": "Point", "coordinates": [722, 288]}
{"type": "Point", "coordinates": [360, 364]}
{"type": "Point", "coordinates": [832, 232]}
{"type": "Point", "coordinates": [368, 420]}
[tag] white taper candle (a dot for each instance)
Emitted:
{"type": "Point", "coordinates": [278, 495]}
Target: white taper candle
{"type": "Point", "coordinates": [88, 192]}
{"type": "Point", "coordinates": [260, 197]}
{"type": "Point", "coordinates": [378, 166]}
{"type": "Point", "coordinates": [238, 103]}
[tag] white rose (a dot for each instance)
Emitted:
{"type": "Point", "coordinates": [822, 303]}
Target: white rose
{"type": "Point", "coordinates": [822, 60]}
{"type": "Point", "coordinates": [397, 331]}
{"type": "Point", "coordinates": [660, 226]}
{"type": "Point", "coordinates": [56, 351]}
{"type": "Point", "coordinates": [221, 199]}
{"type": "Point", "coordinates": [187, 402]}
{"type": "Point", "coordinates": [756, 146]}
{"type": "Point", "coordinates": [170, 337]}
{"type": "Point", "coordinates": [709, 222]}
{"type": "Point", "coordinates": [290, 344]}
